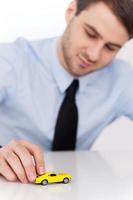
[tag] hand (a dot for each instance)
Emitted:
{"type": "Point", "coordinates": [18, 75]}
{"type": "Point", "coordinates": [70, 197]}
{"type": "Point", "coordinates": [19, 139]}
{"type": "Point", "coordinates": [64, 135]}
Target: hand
{"type": "Point", "coordinates": [21, 160]}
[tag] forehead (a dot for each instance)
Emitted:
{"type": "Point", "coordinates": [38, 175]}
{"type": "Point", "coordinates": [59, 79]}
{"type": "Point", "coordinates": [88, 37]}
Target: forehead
{"type": "Point", "coordinates": [101, 17]}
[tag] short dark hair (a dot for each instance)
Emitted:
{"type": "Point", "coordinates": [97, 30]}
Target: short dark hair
{"type": "Point", "coordinates": [122, 9]}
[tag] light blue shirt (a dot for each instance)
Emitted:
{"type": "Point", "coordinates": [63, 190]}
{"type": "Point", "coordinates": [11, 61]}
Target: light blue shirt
{"type": "Point", "coordinates": [32, 88]}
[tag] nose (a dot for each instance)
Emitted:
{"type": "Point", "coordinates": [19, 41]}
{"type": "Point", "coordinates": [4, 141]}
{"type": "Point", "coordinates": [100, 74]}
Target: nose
{"type": "Point", "coordinates": [94, 52]}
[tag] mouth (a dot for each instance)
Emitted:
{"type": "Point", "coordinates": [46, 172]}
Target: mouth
{"type": "Point", "coordinates": [84, 63]}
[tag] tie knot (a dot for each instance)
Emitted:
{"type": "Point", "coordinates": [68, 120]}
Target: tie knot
{"type": "Point", "coordinates": [72, 89]}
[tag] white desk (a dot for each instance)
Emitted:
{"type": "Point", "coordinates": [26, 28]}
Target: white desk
{"type": "Point", "coordinates": [97, 176]}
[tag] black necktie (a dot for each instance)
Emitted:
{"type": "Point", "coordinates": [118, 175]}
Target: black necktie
{"type": "Point", "coordinates": [67, 121]}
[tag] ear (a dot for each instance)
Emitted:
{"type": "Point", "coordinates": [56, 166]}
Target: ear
{"type": "Point", "coordinates": [71, 10]}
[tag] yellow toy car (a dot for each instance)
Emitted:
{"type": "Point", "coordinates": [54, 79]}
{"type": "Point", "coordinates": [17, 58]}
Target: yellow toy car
{"type": "Point", "coordinates": [51, 177]}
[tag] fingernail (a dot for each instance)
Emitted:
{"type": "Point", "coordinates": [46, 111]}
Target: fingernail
{"type": "Point", "coordinates": [24, 181]}
{"type": "Point", "coordinates": [31, 176]}
{"type": "Point", "coordinates": [41, 170]}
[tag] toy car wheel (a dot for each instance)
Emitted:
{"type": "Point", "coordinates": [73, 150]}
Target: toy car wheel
{"type": "Point", "coordinates": [65, 180]}
{"type": "Point", "coordinates": [44, 182]}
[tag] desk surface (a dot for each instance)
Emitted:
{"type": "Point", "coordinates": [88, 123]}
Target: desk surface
{"type": "Point", "coordinates": [97, 176]}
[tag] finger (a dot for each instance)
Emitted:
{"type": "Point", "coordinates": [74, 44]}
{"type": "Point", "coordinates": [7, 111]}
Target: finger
{"type": "Point", "coordinates": [6, 171]}
{"type": "Point", "coordinates": [16, 165]}
{"type": "Point", "coordinates": [37, 155]}
{"type": "Point", "coordinates": [26, 160]}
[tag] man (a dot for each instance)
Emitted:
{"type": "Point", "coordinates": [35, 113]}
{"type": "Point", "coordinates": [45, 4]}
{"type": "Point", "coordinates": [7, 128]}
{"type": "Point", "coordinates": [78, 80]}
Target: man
{"type": "Point", "coordinates": [35, 77]}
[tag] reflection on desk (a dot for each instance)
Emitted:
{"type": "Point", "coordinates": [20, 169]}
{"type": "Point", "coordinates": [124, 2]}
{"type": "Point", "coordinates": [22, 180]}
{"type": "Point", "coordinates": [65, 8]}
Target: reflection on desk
{"type": "Point", "coordinates": [96, 176]}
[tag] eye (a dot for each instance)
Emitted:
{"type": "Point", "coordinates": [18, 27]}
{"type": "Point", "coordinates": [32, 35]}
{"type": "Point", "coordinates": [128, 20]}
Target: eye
{"type": "Point", "coordinates": [91, 35]}
{"type": "Point", "coordinates": [110, 48]}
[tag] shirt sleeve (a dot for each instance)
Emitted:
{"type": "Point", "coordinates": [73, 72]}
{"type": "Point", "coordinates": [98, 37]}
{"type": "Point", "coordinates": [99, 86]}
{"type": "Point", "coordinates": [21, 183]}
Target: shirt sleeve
{"type": "Point", "coordinates": [126, 98]}
{"type": "Point", "coordinates": [7, 78]}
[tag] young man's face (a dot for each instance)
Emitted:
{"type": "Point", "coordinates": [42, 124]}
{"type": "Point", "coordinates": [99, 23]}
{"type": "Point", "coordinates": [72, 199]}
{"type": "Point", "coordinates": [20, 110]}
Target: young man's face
{"type": "Point", "coordinates": [91, 39]}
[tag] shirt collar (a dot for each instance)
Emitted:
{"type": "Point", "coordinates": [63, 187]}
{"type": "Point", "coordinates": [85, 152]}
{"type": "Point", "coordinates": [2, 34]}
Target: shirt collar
{"type": "Point", "coordinates": [61, 76]}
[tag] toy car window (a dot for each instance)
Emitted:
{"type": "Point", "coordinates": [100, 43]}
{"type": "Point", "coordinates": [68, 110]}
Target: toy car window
{"type": "Point", "coordinates": [52, 175]}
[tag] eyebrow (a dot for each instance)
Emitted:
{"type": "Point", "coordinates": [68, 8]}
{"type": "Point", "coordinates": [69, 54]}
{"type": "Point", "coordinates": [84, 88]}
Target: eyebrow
{"type": "Point", "coordinates": [98, 34]}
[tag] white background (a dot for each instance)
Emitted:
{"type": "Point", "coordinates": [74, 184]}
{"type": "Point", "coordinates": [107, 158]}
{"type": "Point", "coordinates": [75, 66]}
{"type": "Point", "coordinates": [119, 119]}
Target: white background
{"type": "Point", "coordinates": [35, 19]}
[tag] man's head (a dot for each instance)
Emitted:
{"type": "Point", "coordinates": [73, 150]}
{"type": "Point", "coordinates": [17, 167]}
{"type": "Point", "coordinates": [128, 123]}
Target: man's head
{"type": "Point", "coordinates": [96, 30]}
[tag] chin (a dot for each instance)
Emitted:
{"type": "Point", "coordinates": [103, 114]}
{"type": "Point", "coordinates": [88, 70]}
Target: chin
{"type": "Point", "coordinates": [78, 74]}
{"type": "Point", "coordinates": [78, 71]}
